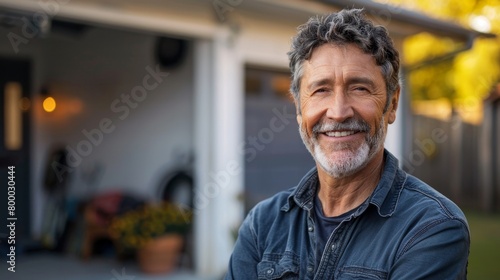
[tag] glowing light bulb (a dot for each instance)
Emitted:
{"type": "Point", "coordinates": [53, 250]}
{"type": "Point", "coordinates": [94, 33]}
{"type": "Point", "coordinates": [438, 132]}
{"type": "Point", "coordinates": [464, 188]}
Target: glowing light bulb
{"type": "Point", "coordinates": [49, 104]}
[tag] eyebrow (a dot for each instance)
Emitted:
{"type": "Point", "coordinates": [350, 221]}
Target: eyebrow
{"type": "Point", "coordinates": [360, 80]}
{"type": "Point", "coordinates": [349, 81]}
{"type": "Point", "coordinates": [318, 83]}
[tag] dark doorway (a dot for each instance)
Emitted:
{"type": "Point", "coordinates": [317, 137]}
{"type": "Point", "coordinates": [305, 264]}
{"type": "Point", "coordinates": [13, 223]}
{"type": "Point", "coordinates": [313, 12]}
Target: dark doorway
{"type": "Point", "coordinates": [15, 141]}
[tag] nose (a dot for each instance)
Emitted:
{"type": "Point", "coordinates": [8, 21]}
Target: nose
{"type": "Point", "coordinates": [339, 107]}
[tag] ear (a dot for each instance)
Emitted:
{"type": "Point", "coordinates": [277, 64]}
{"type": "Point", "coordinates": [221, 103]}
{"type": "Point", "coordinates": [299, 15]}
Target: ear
{"type": "Point", "coordinates": [394, 106]}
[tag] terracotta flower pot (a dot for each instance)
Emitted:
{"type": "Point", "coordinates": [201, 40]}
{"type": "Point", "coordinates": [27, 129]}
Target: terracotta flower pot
{"type": "Point", "coordinates": [160, 255]}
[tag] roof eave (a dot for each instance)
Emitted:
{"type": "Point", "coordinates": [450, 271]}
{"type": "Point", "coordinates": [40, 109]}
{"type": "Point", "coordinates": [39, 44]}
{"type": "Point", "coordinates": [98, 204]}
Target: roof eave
{"type": "Point", "coordinates": [416, 22]}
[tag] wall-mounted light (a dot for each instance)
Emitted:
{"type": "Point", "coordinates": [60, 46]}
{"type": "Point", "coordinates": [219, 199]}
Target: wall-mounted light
{"type": "Point", "coordinates": [49, 104]}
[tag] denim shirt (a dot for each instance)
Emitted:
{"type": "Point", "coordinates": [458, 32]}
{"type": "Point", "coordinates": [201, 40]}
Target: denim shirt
{"type": "Point", "coordinates": [404, 230]}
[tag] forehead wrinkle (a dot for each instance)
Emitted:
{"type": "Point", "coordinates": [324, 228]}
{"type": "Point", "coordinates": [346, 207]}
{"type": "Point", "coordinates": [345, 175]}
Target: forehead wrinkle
{"type": "Point", "coordinates": [347, 79]}
{"type": "Point", "coordinates": [339, 67]}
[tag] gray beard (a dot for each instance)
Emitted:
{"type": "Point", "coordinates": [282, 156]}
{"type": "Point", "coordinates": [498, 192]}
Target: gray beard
{"type": "Point", "coordinates": [355, 159]}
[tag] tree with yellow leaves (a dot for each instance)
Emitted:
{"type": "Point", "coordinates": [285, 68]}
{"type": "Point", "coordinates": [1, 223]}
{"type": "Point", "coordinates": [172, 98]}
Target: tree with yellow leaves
{"type": "Point", "coordinates": [466, 79]}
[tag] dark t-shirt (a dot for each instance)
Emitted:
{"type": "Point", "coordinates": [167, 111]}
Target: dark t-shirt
{"type": "Point", "coordinates": [325, 226]}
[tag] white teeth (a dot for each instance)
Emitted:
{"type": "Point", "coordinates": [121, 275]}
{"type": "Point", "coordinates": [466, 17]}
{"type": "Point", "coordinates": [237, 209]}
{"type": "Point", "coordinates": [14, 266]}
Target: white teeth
{"type": "Point", "coordinates": [339, 133]}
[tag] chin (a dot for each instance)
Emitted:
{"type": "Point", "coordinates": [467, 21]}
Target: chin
{"type": "Point", "coordinates": [343, 164]}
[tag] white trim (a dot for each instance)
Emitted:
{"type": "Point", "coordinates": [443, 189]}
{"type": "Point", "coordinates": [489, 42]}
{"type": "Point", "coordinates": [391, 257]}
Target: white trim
{"type": "Point", "coordinates": [203, 152]}
{"type": "Point", "coordinates": [158, 21]}
{"type": "Point", "coordinates": [219, 161]}
{"type": "Point", "coordinates": [227, 129]}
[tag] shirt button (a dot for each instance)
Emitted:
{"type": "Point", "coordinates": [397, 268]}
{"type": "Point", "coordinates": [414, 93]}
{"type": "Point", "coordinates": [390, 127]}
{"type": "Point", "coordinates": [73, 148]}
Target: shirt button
{"type": "Point", "coordinates": [310, 228]}
{"type": "Point", "coordinates": [333, 246]}
{"type": "Point", "coordinates": [270, 271]}
{"type": "Point", "coordinates": [309, 268]}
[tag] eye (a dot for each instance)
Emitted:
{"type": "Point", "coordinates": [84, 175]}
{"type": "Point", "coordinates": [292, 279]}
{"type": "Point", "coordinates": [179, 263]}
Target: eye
{"type": "Point", "coordinates": [321, 90]}
{"type": "Point", "coordinates": [360, 89]}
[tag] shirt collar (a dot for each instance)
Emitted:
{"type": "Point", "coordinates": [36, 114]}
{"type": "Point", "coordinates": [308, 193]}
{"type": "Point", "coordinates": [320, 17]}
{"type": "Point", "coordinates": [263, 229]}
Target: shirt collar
{"type": "Point", "coordinates": [303, 195]}
{"type": "Point", "coordinates": [385, 196]}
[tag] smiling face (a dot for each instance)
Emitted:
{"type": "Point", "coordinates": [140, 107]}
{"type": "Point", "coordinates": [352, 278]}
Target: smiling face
{"type": "Point", "coordinates": [342, 100]}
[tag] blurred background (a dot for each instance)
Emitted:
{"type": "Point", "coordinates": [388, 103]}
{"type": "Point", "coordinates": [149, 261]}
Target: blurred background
{"type": "Point", "coordinates": [110, 106]}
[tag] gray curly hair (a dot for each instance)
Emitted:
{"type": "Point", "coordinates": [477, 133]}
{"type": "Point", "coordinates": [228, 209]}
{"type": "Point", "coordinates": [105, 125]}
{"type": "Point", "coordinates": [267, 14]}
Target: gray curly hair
{"type": "Point", "coordinates": [341, 28]}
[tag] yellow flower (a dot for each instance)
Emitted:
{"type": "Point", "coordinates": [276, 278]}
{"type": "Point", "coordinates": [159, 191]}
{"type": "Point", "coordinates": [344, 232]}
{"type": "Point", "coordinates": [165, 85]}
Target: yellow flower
{"type": "Point", "coordinates": [133, 229]}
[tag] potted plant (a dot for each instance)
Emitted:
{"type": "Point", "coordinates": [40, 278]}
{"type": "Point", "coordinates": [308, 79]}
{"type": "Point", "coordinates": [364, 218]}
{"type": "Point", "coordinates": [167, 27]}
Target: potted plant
{"type": "Point", "coordinates": [155, 233]}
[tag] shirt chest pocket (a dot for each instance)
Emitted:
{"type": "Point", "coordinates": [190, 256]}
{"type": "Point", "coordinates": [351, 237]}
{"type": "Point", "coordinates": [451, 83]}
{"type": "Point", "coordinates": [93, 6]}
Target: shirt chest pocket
{"type": "Point", "coordinates": [279, 266]}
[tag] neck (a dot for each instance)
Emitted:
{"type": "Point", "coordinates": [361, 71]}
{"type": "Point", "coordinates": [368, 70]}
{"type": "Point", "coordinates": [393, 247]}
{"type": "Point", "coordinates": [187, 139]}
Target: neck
{"type": "Point", "coordinates": [340, 195]}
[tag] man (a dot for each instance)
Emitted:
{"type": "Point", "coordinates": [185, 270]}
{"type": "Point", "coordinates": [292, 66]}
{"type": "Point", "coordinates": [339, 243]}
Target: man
{"type": "Point", "coordinates": [356, 215]}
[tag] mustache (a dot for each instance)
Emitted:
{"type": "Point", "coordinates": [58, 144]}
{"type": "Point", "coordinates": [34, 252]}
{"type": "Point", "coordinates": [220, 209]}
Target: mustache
{"type": "Point", "coordinates": [349, 124]}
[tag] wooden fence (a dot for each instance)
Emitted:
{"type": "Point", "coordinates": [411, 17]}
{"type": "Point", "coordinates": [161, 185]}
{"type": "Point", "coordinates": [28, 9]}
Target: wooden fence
{"type": "Point", "coordinates": [459, 159]}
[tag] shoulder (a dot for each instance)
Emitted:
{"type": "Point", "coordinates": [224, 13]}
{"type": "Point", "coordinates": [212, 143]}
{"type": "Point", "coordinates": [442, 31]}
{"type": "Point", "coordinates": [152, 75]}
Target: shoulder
{"type": "Point", "coordinates": [425, 217]}
{"type": "Point", "coordinates": [417, 194]}
{"type": "Point", "coordinates": [428, 216]}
